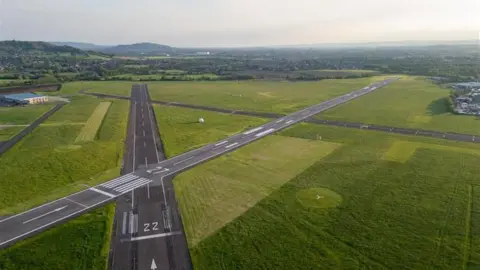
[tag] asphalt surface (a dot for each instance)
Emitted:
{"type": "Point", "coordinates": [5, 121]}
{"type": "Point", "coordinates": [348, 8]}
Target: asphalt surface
{"type": "Point", "coordinates": [47, 215]}
{"type": "Point", "coordinates": [141, 224]}
{"type": "Point", "coordinates": [4, 146]}
{"type": "Point", "coordinates": [404, 131]}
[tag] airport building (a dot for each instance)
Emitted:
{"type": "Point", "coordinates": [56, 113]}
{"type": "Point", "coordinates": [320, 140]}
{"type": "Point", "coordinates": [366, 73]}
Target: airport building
{"type": "Point", "coordinates": [24, 98]}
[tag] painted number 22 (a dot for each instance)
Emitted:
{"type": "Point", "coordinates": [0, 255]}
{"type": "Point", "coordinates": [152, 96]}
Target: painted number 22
{"type": "Point", "coordinates": [153, 225]}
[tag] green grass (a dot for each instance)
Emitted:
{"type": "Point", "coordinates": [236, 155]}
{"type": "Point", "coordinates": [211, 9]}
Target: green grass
{"type": "Point", "coordinates": [318, 198]}
{"type": "Point", "coordinates": [22, 115]}
{"type": "Point", "coordinates": [39, 164]}
{"type": "Point", "coordinates": [82, 243]}
{"type": "Point", "coordinates": [9, 132]}
{"type": "Point", "coordinates": [169, 75]}
{"type": "Point", "coordinates": [393, 215]}
{"type": "Point", "coordinates": [411, 102]}
{"type": "Point", "coordinates": [265, 96]}
{"type": "Point", "coordinates": [212, 196]}
{"type": "Point", "coordinates": [181, 131]}
{"type": "Point", "coordinates": [90, 129]}
{"type": "Point", "coordinates": [72, 88]}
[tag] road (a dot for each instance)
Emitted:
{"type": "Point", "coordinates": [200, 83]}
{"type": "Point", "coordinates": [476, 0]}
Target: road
{"type": "Point", "coordinates": [47, 215]}
{"type": "Point", "coordinates": [141, 221]}
{"type": "Point", "coordinates": [4, 146]}
{"type": "Point", "coordinates": [398, 130]}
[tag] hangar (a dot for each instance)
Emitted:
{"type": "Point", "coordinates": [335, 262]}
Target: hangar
{"type": "Point", "coordinates": [24, 98]}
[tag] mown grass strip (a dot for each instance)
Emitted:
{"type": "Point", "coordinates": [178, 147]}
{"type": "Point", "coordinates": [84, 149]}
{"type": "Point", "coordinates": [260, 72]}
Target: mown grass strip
{"type": "Point", "coordinates": [468, 218]}
{"type": "Point", "coordinates": [89, 131]}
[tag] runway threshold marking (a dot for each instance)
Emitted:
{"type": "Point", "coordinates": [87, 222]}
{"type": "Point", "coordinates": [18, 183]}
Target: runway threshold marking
{"type": "Point", "coordinates": [102, 192]}
{"type": "Point", "coordinates": [139, 238]}
{"type": "Point", "coordinates": [124, 223]}
{"type": "Point", "coordinates": [46, 214]}
{"type": "Point", "coordinates": [133, 185]}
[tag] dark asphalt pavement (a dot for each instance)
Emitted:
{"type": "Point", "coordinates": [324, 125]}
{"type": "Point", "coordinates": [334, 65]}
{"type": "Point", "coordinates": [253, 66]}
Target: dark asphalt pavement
{"type": "Point", "coordinates": [50, 214]}
{"type": "Point", "coordinates": [152, 213]}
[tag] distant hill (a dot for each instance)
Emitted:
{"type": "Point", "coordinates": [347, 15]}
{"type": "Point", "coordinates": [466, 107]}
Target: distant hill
{"type": "Point", "coordinates": [12, 47]}
{"type": "Point", "coordinates": [82, 45]}
{"type": "Point", "coordinates": [139, 49]}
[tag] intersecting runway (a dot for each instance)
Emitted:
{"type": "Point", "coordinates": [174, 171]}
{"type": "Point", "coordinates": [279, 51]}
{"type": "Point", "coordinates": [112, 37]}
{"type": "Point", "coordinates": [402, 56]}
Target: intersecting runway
{"type": "Point", "coordinates": [47, 215]}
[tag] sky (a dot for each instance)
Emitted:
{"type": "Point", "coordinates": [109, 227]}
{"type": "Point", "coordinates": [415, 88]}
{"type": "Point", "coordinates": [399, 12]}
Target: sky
{"type": "Point", "coordinates": [231, 23]}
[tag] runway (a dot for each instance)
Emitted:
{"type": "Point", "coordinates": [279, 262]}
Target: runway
{"type": "Point", "coordinates": [149, 210]}
{"type": "Point", "coordinates": [45, 216]}
{"type": "Point", "coordinates": [367, 126]}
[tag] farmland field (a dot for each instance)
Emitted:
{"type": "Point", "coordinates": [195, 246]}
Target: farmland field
{"type": "Point", "coordinates": [265, 96]}
{"type": "Point", "coordinates": [90, 129]}
{"type": "Point", "coordinates": [181, 131]}
{"type": "Point", "coordinates": [411, 102]}
{"type": "Point", "coordinates": [415, 212]}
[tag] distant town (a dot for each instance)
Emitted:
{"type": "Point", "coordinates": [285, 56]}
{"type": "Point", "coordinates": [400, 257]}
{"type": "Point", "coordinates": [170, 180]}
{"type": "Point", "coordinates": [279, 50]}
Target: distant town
{"type": "Point", "coordinates": [466, 99]}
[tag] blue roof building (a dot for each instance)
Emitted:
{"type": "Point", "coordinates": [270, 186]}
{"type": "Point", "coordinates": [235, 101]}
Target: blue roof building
{"type": "Point", "coordinates": [24, 98]}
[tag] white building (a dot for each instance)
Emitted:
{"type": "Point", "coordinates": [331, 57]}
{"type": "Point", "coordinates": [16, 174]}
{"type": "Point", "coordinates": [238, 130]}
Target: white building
{"type": "Point", "coordinates": [24, 98]}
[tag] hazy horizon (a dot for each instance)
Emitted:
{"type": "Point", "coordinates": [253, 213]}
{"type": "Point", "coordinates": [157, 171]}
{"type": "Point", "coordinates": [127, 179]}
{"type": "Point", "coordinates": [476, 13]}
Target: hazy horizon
{"type": "Point", "coordinates": [235, 23]}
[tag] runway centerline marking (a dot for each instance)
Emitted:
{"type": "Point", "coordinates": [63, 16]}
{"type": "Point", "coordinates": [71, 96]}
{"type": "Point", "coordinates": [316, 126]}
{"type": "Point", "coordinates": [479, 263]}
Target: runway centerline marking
{"type": "Point", "coordinates": [221, 143]}
{"type": "Point", "coordinates": [155, 236]}
{"type": "Point", "coordinates": [265, 132]}
{"type": "Point", "coordinates": [102, 192]}
{"type": "Point", "coordinates": [48, 213]}
{"type": "Point", "coordinates": [81, 204]}
{"type": "Point", "coordinates": [231, 145]}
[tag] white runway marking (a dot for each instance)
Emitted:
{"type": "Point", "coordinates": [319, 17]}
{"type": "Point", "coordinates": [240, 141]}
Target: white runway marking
{"type": "Point", "coordinates": [124, 223]}
{"type": "Point", "coordinates": [143, 132]}
{"type": "Point", "coordinates": [231, 145]}
{"type": "Point", "coordinates": [154, 236]}
{"type": "Point", "coordinates": [252, 130]}
{"type": "Point", "coordinates": [133, 185]}
{"type": "Point", "coordinates": [279, 121]}
{"type": "Point", "coordinates": [119, 181]}
{"type": "Point", "coordinates": [220, 143]}
{"type": "Point", "coordinates": [291, 121]}
{"type": "Point", "coordinates": [81, 204]}
{"type": "Point", "coordinates": [183, 161]}
{"type": "Point", "coordinates": [102, 192]}
{"type": "Point", "coordinates": [265, 132]}
{"type": "Point", "coordinates": [35, 218]}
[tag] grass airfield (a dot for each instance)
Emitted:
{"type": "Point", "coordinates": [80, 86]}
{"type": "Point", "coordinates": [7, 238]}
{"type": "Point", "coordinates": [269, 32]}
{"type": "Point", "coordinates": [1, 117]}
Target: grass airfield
{"type": "Point", "coordinates": [310, 197]}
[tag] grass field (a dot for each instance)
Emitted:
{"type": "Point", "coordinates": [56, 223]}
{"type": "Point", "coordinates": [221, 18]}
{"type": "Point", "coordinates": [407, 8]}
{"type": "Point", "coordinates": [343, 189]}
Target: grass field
{"type": "Point", "coordinates": [181, 131]}
{"type": "Point", "coordinates": [416, 213]}
{"type": "Point", "coordinates": [411, 102]}
{"type": "Point", "coordinates": [90, 129]}
{"type": "Point", "coordinates": [266, 96]}
{"type": "Point", "coordinates": [7, 133]}
{"type": "Point", "coordinates": [82, 243]}
{"type": "Point", "coordinates": [168, 75]}
{"type": "Point", "coordinates": [212, 196]}
{"type": "Point", "coordinates": [22, 115]}
{"type": "Point", "coordinates": [44, 168]}
{"type": "Point", "coordinates": [72, 88]}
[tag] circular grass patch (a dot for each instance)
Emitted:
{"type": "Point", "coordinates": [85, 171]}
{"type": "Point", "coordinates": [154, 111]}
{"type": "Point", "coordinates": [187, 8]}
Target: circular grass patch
{"type": "Point", "coordinates": [319, 198]}
{"type": "Point", "coordinates": [68, 148]}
